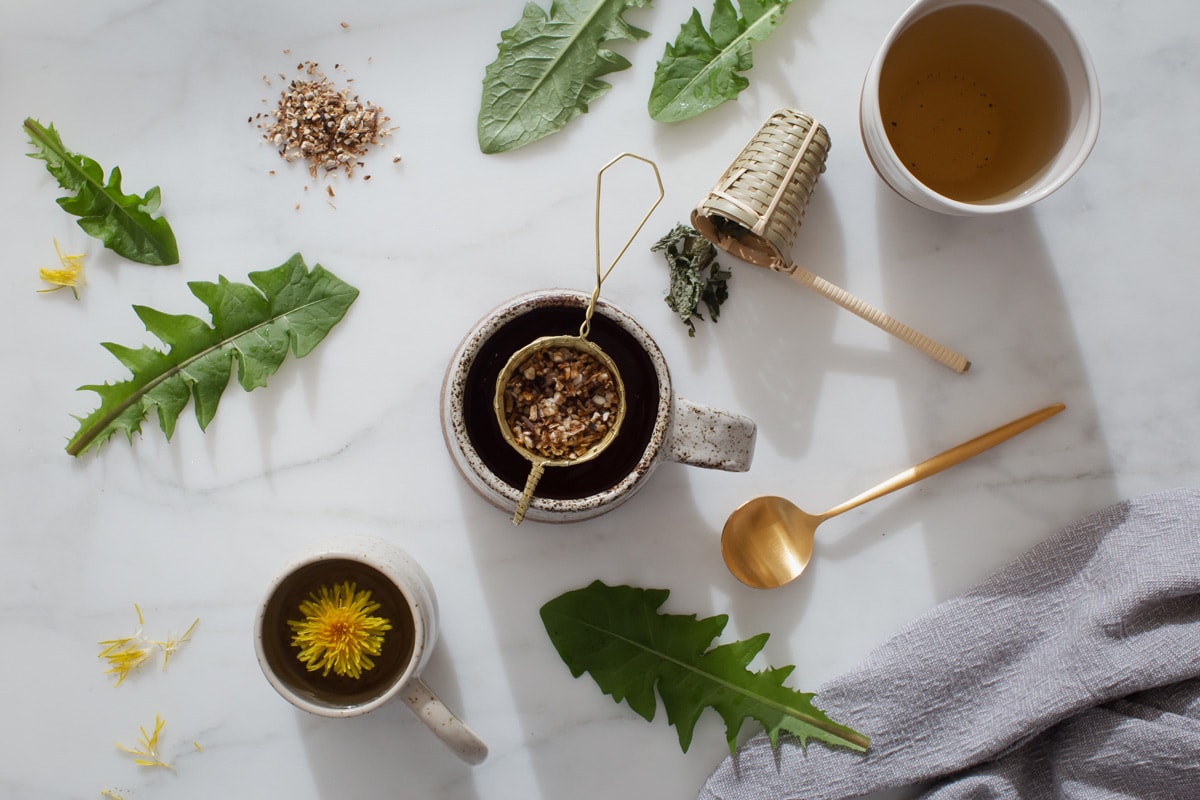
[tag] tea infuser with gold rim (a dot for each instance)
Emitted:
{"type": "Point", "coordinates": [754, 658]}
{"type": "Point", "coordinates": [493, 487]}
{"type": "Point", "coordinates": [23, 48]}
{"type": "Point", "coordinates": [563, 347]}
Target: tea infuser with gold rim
{"type": "Point", "coordinates": [755, 209]}
{"type": "Point", "coordinates": [587, 349]}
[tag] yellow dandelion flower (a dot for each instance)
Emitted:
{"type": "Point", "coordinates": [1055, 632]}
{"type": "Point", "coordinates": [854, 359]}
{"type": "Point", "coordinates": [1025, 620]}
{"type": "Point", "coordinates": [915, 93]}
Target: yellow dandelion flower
{"type": "Point", "coordinates": [145, 754]}
{"type": "Point", "coordinates": [68, 276]}
{"type": "Point", "coordinates": [338, 632]}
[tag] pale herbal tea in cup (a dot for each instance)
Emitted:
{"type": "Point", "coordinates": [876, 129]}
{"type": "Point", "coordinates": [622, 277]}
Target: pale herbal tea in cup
{"type": "Point", "coordinates": [338, 632]}
{"type": "Point", "coordinates": [974, 102]}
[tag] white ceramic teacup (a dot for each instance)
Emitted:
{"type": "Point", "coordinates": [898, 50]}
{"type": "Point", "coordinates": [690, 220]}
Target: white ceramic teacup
{"type": "Point", "coordinates": [1066, 149]}
{"type": "Point", "coordinates": [407, 601]}
{"type": "Point", "coordinates": [658, 425]}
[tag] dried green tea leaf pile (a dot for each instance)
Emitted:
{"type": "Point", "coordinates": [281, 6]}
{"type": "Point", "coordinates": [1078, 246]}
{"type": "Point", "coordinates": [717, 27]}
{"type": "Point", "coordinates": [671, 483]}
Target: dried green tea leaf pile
{"type": "Point", "coordinates": [696, 277]}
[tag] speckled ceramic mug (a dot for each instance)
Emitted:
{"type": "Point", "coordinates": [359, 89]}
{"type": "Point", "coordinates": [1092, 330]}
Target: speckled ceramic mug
{"type": "Point", "coordinates": [407, 602]}
{"type": "Point", "coordinates": [658, 425]}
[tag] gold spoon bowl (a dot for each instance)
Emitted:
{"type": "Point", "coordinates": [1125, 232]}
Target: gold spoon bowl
{"type": "Point", "coordinates": [768, 541]}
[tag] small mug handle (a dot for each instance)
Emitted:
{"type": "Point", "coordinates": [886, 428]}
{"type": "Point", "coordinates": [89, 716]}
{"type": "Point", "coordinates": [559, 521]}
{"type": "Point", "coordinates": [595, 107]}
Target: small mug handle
{"type": "Point", "coordinates": [453, 732]}
{"type": "Point", "coordinates": [702, 436]}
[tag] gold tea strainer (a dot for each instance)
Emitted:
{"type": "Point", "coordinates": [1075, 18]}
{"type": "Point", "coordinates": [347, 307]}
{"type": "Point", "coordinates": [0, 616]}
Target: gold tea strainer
{"type": "Point", "coordinates": [755, 209]}
{"type": "Point", "coordinates": [532, 356]}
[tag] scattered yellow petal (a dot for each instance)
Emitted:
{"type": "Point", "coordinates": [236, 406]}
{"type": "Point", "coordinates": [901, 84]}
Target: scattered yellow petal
{"type": "Point", "coordinates": [172, 645]}
{"type": "Point", "coordinates": [110, 794]}
{"type": "Point", "coordinates": [146, 752]}
{"type": "Point", "coordinates": [338, 632]}
{"type": "Point", "coordinates": [127, 653]}
{"type": "Point", "coordinates": [196, 745]}
{"type": "Point", "coordinates": [68, 276]}
{"type": "Point", "coordinates": [124, 656]}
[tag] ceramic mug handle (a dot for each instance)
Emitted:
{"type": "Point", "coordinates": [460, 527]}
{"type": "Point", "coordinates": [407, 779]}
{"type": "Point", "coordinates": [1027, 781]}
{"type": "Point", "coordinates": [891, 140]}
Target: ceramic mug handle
{"type": "Point", "coordinates": [702, 436]}
{"type": "Point", "coordinates": [453, 732]}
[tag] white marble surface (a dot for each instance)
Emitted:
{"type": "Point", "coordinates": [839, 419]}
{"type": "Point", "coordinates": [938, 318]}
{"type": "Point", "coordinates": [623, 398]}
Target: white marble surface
{"type": "Point", "coordinates": [1089, 298]}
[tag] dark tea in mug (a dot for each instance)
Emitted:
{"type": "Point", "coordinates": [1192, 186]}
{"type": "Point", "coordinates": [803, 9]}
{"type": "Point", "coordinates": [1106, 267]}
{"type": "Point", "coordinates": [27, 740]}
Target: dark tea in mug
{"type": "Point", "coordinates": [619, 458]}
{"type": "Point", "coordinates": [974, 102]}
{"type": "Point", "coordinates": [331, 689]}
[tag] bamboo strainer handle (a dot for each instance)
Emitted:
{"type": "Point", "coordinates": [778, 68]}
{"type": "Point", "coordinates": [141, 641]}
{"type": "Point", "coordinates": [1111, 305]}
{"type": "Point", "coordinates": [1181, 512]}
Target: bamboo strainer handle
{"type": "Point", "coordinates": [535, 475]}
{"type": "Point", "coordinates": [854, 305]}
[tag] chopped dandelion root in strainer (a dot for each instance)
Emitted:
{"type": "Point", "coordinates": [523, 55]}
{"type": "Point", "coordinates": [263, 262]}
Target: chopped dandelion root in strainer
{"type": "Point", "coordinates": [559, 402]}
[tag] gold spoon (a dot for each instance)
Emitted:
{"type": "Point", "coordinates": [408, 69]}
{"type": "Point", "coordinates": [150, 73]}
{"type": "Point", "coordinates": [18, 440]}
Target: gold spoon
{"type": "Point", "coordinates": [768, 541]}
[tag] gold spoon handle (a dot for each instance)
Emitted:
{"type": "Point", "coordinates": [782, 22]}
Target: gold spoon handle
{"type": "Point", "coordinates": [955, 455]}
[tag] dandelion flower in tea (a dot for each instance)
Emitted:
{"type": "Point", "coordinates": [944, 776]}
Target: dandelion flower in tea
{"type": "Point", "coordinates": [338, 633]}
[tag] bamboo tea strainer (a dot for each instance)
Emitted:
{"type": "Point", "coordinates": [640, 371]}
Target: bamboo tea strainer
{"type": "Point", "coordinates": [755, 210]}
{"type": "Point", "coordinates": [561, 355]}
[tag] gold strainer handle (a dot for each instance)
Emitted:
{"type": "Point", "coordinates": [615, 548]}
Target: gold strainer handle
{"type": "Point", "coordinates": [586, 327]}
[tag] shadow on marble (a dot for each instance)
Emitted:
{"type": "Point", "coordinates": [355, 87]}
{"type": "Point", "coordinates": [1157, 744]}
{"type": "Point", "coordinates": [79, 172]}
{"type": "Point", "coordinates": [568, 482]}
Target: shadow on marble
{"type": "Point", "coordinates": [994, 282]}
{"type": "Point", "coordinates": [388, 747]}
{"type": "Point", "coordinates": [657, 536]}
{"type": "Point", "coordinates": [1025, 355]}
{"type": "Point", "coordinates": [986, 287]}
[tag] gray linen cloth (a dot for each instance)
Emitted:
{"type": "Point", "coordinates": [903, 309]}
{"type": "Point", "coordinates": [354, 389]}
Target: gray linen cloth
{"type": "Point", "coordinates": [1072, 673]}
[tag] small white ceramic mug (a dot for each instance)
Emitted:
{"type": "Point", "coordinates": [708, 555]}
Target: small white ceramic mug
{"type": "Point", "coordinates": [658, 426]}
{"type": "Point", "coordinates": [406, 600]}
{"type": "Point", "coordinates": [952, 160]}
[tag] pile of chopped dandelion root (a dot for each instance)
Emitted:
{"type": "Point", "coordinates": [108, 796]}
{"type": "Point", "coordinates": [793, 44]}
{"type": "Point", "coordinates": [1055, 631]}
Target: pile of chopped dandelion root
{"type": "Point", "coordinates": [322, 124]}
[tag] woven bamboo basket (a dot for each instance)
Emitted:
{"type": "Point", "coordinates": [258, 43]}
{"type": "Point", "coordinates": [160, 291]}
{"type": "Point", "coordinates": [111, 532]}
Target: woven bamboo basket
{"type": "Point", "coordinates": [755, 210]}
